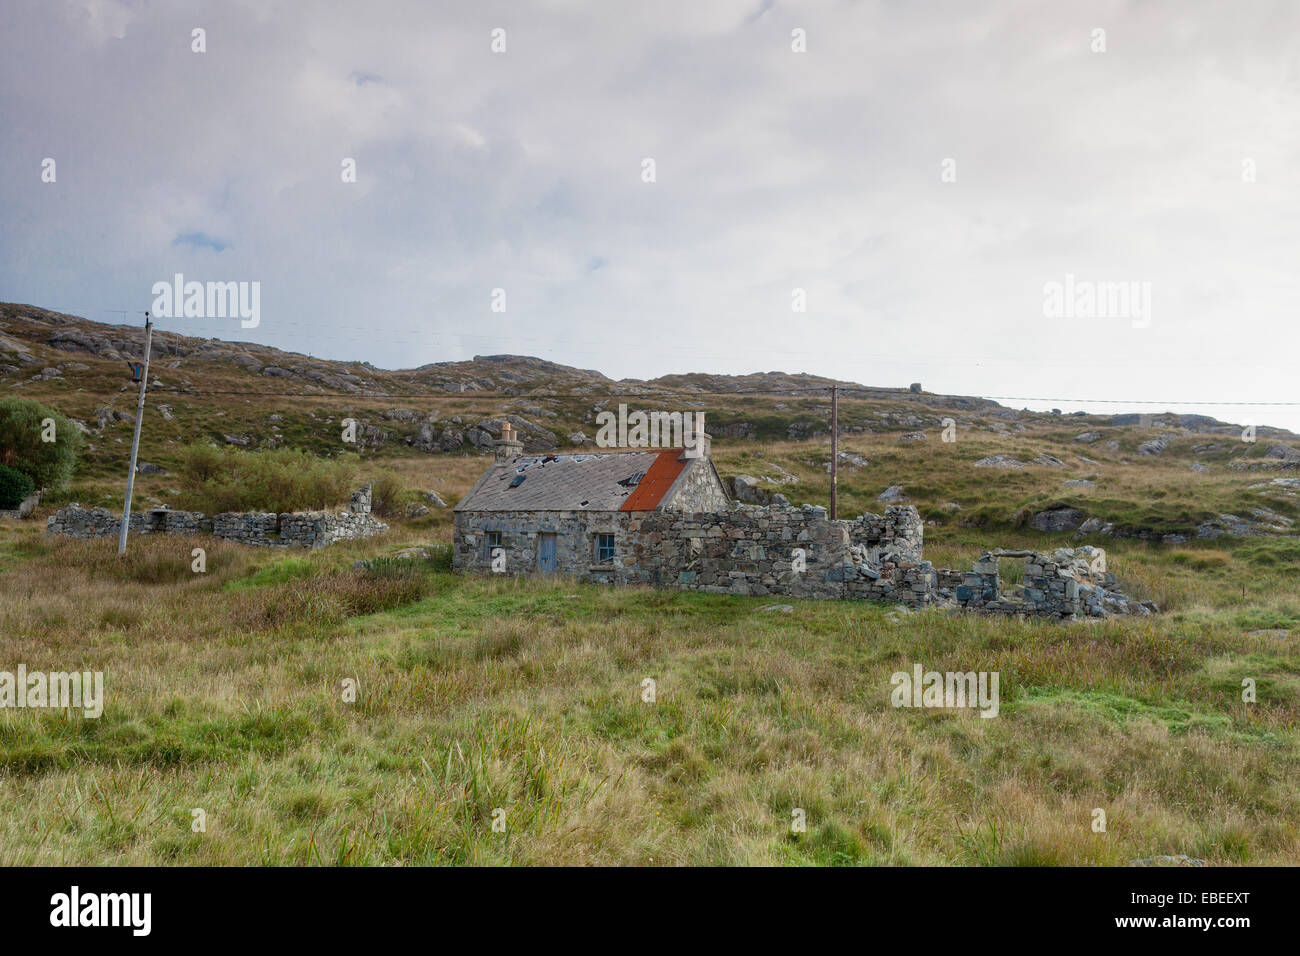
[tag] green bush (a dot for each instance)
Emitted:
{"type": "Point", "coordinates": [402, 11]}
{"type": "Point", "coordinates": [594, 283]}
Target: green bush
{"type": "Point", "coordinates": [14, 487]}
{"type": "Point", "coordinates": [203, 463]}
{"type": "Point", "coordinates": [214, 480]}
{"type": "Point", "coordinates": [24, 425]}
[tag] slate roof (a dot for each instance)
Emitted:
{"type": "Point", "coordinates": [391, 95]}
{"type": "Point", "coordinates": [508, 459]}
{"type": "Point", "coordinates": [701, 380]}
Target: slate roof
{"type": "Point", "coordinates": [601, 481]}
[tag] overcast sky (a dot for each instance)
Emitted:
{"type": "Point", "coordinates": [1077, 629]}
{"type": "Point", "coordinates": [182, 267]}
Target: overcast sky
{"type": "Point", "coordinates": [775, 170]}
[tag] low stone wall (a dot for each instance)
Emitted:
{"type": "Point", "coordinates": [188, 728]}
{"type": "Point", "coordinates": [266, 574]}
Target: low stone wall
{"type": "Point", "coordinates": [318, 529]}
{"type": "Point", "coordinates": [75, 521]}
{"type": "Point", "coordinates": [292, 529]}
{"type": "Point", "coordinates": [257, 528]}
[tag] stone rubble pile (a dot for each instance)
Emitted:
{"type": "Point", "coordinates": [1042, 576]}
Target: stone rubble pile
{"type": "Point", "coordinates": [1067, 582]}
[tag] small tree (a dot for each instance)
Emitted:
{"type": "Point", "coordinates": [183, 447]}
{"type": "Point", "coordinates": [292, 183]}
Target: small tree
{"type": "Point", "coordinates": [39, 442]}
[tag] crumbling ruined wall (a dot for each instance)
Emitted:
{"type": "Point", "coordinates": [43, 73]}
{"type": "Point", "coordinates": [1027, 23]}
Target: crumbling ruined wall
{"type": "Point", "coordinates": [1067, 582]}
{"type": "Point", "coordinates": [301, 529]}
{"type": "Point", "coordinates": [898, 531]}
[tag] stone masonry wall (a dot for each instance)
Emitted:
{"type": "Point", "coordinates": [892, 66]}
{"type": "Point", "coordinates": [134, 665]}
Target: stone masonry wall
{"type": "Point", "coordinates": [78, 522]}
{"type": "Point", "coordinates": [898, 531]}
{"type": "Point", "coordinates": [517, 533]}
{"type": "Point", "coordinates": [797, 552]}
{"type": "Point", "coordinates": [302, 529]}
{"type": "Point", "coordinates": [792, 552]}
{"type": "Point", "coordinates": [749, 550]}
{"type": "Point", "coordinates": [701, 489]}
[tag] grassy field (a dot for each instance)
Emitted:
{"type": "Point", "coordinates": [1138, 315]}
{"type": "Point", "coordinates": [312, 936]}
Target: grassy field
{"type": "Point", "coordinates": [521, 702]}
{"type": "Point", "coordinates": [224, 692]}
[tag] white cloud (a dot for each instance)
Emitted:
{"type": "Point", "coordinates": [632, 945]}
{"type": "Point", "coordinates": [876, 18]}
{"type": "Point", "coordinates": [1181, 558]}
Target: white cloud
{"type": "Point", "coordinates": [775, 170]}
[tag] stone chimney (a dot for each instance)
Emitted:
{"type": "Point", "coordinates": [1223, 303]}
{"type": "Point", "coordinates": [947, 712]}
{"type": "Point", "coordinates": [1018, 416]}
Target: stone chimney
{"type": "Point", "coordinates": [508, 446]}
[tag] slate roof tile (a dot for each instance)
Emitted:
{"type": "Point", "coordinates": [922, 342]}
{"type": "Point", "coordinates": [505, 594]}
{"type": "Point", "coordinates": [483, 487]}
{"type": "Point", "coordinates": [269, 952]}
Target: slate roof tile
{"type": "Point", "coordinates": [601, 481]}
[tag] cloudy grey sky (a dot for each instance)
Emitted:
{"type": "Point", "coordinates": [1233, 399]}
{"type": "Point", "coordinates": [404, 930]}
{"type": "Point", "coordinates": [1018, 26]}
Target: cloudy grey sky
{"type": "Point", "coordinates": [775, 170]}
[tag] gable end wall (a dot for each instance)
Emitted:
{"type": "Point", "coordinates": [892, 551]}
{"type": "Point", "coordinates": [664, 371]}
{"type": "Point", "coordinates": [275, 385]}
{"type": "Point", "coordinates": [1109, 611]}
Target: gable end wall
{"type": "Point", "coordinates": [697, 489]}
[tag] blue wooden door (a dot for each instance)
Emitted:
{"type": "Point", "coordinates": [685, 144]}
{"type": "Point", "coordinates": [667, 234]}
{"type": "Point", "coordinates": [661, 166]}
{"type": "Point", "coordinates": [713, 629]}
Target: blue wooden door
{"type": "Point", "coordinates": [546, 554]}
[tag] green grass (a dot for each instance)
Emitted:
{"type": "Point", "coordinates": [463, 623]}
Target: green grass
{"type": "Point", "coordinates": [1176, 718]}
{"type": "Point", "coordinates": [477, 695]}
{"type": "Point", "coordinates": [276, 573]}
{"type": "Point", "coordinates": [225, 690]}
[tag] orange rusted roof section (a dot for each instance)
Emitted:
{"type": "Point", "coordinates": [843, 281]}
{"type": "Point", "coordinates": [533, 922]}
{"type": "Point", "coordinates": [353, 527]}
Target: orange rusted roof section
{"type": "Point", "coordinates": [656, 482]}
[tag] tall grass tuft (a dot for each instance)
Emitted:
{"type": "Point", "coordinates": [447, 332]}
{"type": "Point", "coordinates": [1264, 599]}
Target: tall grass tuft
{"type": "Point", "coordinates": [214, 480]}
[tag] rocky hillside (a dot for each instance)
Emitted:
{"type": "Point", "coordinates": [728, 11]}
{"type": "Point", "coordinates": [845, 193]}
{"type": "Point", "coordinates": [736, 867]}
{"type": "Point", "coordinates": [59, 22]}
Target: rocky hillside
{"type": "Point", "coordinates": [1161, 476]}
{"type": "Point", "coordinates": [35, 339]}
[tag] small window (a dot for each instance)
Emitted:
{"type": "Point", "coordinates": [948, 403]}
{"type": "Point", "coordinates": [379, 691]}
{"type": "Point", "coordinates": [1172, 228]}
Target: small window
{"type": "Point", "coordinates": [604, 548]}
{"type": "Point", "coordinates": [493, 542]}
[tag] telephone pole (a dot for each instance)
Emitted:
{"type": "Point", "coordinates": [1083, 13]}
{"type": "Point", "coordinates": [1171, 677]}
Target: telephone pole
{"type": "Point", "coordinates": [135, 439]}
{"type": "Point", "coordinates": [835, 449]}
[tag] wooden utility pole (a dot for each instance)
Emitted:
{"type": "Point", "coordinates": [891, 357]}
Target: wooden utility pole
{"type": "Point", "coordinates": [835, 449]}
{"type": "Point", "coordinates": [135, 439]}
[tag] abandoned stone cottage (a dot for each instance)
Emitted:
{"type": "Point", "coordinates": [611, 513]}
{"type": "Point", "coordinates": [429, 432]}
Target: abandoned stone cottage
{"type": "Point", "coordinates": [659, 517]}
{"type": "Point", "coordinates": [576, 513]}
